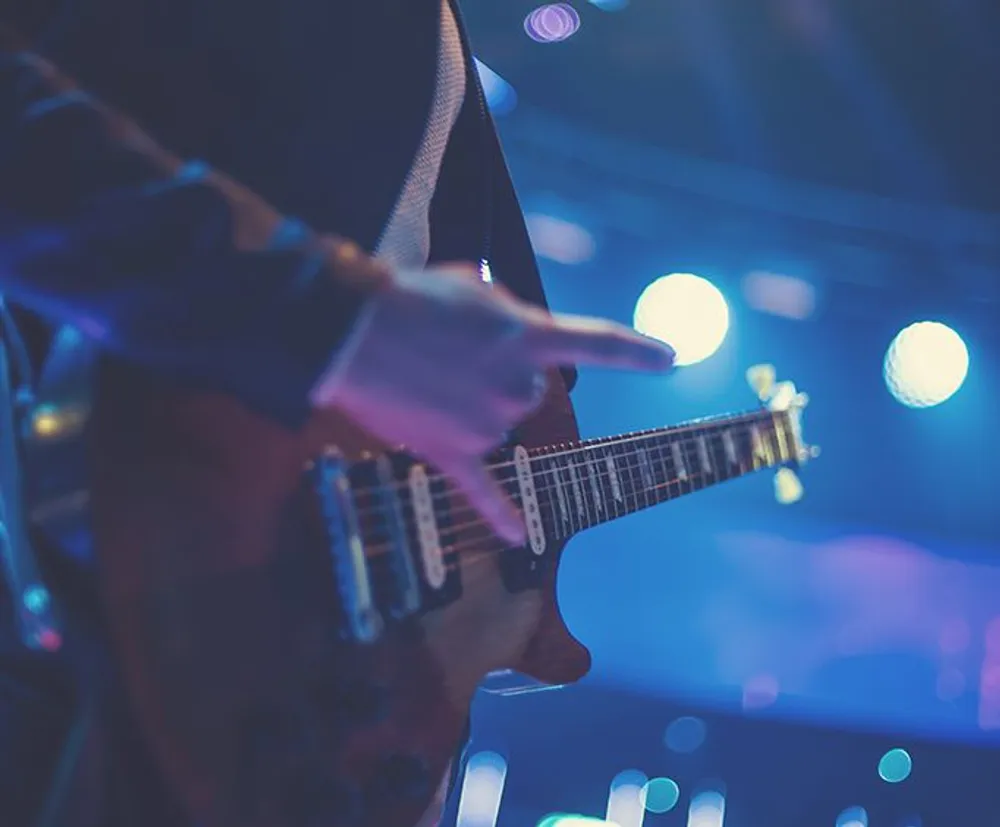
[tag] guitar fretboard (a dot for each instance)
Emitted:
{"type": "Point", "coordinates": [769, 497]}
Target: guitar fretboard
{"type": "Point", "coordinates": [580, 485]}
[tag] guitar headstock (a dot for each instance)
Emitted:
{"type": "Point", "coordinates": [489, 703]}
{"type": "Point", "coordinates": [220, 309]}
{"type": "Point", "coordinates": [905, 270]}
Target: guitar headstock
{"type": "Point", "coordinates": [784, 398]}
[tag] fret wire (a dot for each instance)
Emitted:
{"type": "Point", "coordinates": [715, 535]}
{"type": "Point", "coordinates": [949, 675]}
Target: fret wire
{"type": "Point", "coordinates": [717, 450]}
{"type": "Point", "coordinates": [551, 508]}
{"type": "Point", "coordinates": [605, 475]}
{"type": "Point", "coordinates": [587, 493]}
{"type": "Point", "coordinates": [576, 493]}
{"type": "Point", "coordinates": [633, 489]}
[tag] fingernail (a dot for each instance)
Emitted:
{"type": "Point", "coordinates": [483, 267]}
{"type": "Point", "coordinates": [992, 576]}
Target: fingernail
{"type": "Point", "coordinates": [664, 355]}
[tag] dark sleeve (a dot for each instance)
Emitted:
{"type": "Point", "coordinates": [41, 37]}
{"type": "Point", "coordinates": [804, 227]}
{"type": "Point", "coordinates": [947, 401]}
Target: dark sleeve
{"type": "Point", "coordinates": [167, 264]}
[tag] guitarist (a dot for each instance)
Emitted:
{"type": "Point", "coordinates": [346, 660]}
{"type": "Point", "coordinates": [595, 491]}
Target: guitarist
{"type": "Point", "coordinates": [211, 246]}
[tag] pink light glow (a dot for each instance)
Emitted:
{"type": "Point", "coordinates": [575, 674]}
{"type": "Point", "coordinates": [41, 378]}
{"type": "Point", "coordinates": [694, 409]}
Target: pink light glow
{"type": "Point", "coordinates": [552, 23]}
{"type": "Point", "coordinates": [760, 691]}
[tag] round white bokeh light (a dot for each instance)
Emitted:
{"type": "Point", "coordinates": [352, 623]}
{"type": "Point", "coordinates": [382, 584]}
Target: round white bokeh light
{"type": "Point", "coordinates": [685, 311]}
{"type": "Point", "coordinates": [926, 364]}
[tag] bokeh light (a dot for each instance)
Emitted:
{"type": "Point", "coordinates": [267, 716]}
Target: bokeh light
{"type": "Point", "coordinates": [687, 312]}
{"type": "Point", "coordinates": [926, 364]}
{"type": "Point", "coordinates": [552, 23]}
{"type": "Point", "coordinates": [627, 799]}
{"type": "Point", "coordinates": [662, 795]}
{"type": "Point", "coordinates": [895, 766]}
{"type": "Point", "coordinates": [558, 240]}
{"type": "Point", "coordinates": [708, 809]}
{"type": "Point", "coordinates": [482, 790]}
{"type": "Point", "coordinates": [779, 295]}
{"type": "Point", "coordinates": [760, 691]}
{"type": "Point", "coordinates": [685, 734]}
{"type": "Point", "coordinates": [853, 817]}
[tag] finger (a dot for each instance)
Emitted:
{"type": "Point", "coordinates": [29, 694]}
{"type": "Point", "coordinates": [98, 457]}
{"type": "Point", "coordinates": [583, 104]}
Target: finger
{"type": "Point", "coordinates": [486, 496]}
{"type": "Point", "coordinates": [570, 340]}
{"type": "Point", "coordinates": [454, 268]}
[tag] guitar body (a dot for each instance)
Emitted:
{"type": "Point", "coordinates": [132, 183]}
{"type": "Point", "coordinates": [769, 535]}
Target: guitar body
{"type": "Point", "coordinates": [217, 583]}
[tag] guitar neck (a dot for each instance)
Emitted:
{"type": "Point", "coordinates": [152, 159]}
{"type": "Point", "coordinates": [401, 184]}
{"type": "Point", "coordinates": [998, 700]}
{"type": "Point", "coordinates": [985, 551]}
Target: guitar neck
{"type": "Point", "coordinates": [583, 484]}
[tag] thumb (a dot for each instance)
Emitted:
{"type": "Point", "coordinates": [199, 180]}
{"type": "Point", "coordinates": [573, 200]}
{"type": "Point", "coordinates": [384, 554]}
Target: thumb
{"type": "Point", "coordinates": [486, 496]}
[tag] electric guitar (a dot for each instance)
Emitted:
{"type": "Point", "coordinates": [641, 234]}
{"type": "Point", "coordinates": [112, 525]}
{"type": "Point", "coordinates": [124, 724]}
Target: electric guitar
{"type": "Point", "coordinates": [302, 618]}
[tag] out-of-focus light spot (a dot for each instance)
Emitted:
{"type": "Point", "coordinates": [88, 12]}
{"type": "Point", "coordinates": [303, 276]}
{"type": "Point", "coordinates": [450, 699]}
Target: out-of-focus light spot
{"type": "Point", "coordinates": [955, 636]}
{"type": "Point", "coordinates": [627, 799]}
{"type": "Point", "coordinates": [853, 817]}
{"type": "Point", "coordinates": [482, 789]}
{"type": "Point", "coordinates": [568, 820]}
{"type": "Point", "coordinates": [685, 311]}
{"type": "Point", "coordinates": [50, 640]}
{"type": "Point", "coordinates": [500, 95]}
{"type": "Point", "coordinates": [609, 5]}
{"type": "Point", "coordinates": [47, 421]}
{"type": "Point", "coordinates": [779, 295]}
{"type": "Point", "coordinates": [950, 685]}
{"type": "Point", "coordinates": [36, 599]}
{"type": "Point", "coordinates": [558, 240]}
{"type": "Point", "coordinates": [708, 809]}
{"type": "Point", "coordinates": [760, 691]}
{"type": "Point", "coordinates": [989, 693]}
{"type": "Point", "coordinates": [895, 766]}
{"type": "Point", "coordinates": [685, 734]}
{"type": "Point", "coordinates": [925, 364]}
{"type": "Point", "coordinates": [552, 23]}
{"type": "Point", "coordinates": [662, 795]}
{"type": "Point", "coordinates": [991, 637]}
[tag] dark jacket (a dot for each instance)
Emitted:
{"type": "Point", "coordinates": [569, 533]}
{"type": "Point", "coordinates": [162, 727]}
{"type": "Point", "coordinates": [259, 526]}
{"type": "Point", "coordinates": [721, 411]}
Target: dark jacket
{"type": "Point", "coordinates": [316, 105]}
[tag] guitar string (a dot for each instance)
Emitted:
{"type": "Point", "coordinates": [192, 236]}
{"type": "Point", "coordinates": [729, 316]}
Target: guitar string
{"type": "Point", "coordinates": [485, 547]}
{"type": "Point", "coordinates": [683, 443]}
{"type": "Point", "coordinates": [706, 477]}
{"type": "Point", "coordinates": [580, 486]}
{"type": "Point", "coordinates": [472, 550]}
{"type": "Point", "coordinates": [627, 465]}
{"type": "Point", "coordinates": [480, 549]}
{"type": "Point", "coordinates": [740, 420]}
{"type": "Point", "coordinates": [475, 549]}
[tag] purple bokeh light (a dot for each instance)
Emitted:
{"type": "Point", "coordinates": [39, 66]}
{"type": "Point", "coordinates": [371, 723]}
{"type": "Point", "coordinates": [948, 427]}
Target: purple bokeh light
{"type": "Point", "coordinates": [552, 23]}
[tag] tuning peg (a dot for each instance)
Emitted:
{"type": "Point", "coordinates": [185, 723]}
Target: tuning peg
{"type": "Point", "coordinates": [762, 378]}
{"type": "Point", "coordinates": [787, 487]}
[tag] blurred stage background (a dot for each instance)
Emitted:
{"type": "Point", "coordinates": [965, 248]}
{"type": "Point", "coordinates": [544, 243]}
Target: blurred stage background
{"type": "Point", "coordinates": [832, 168]}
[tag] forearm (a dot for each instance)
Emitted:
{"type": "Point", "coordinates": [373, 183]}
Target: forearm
{"type": "Point", "coordinates": [168, 264]}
